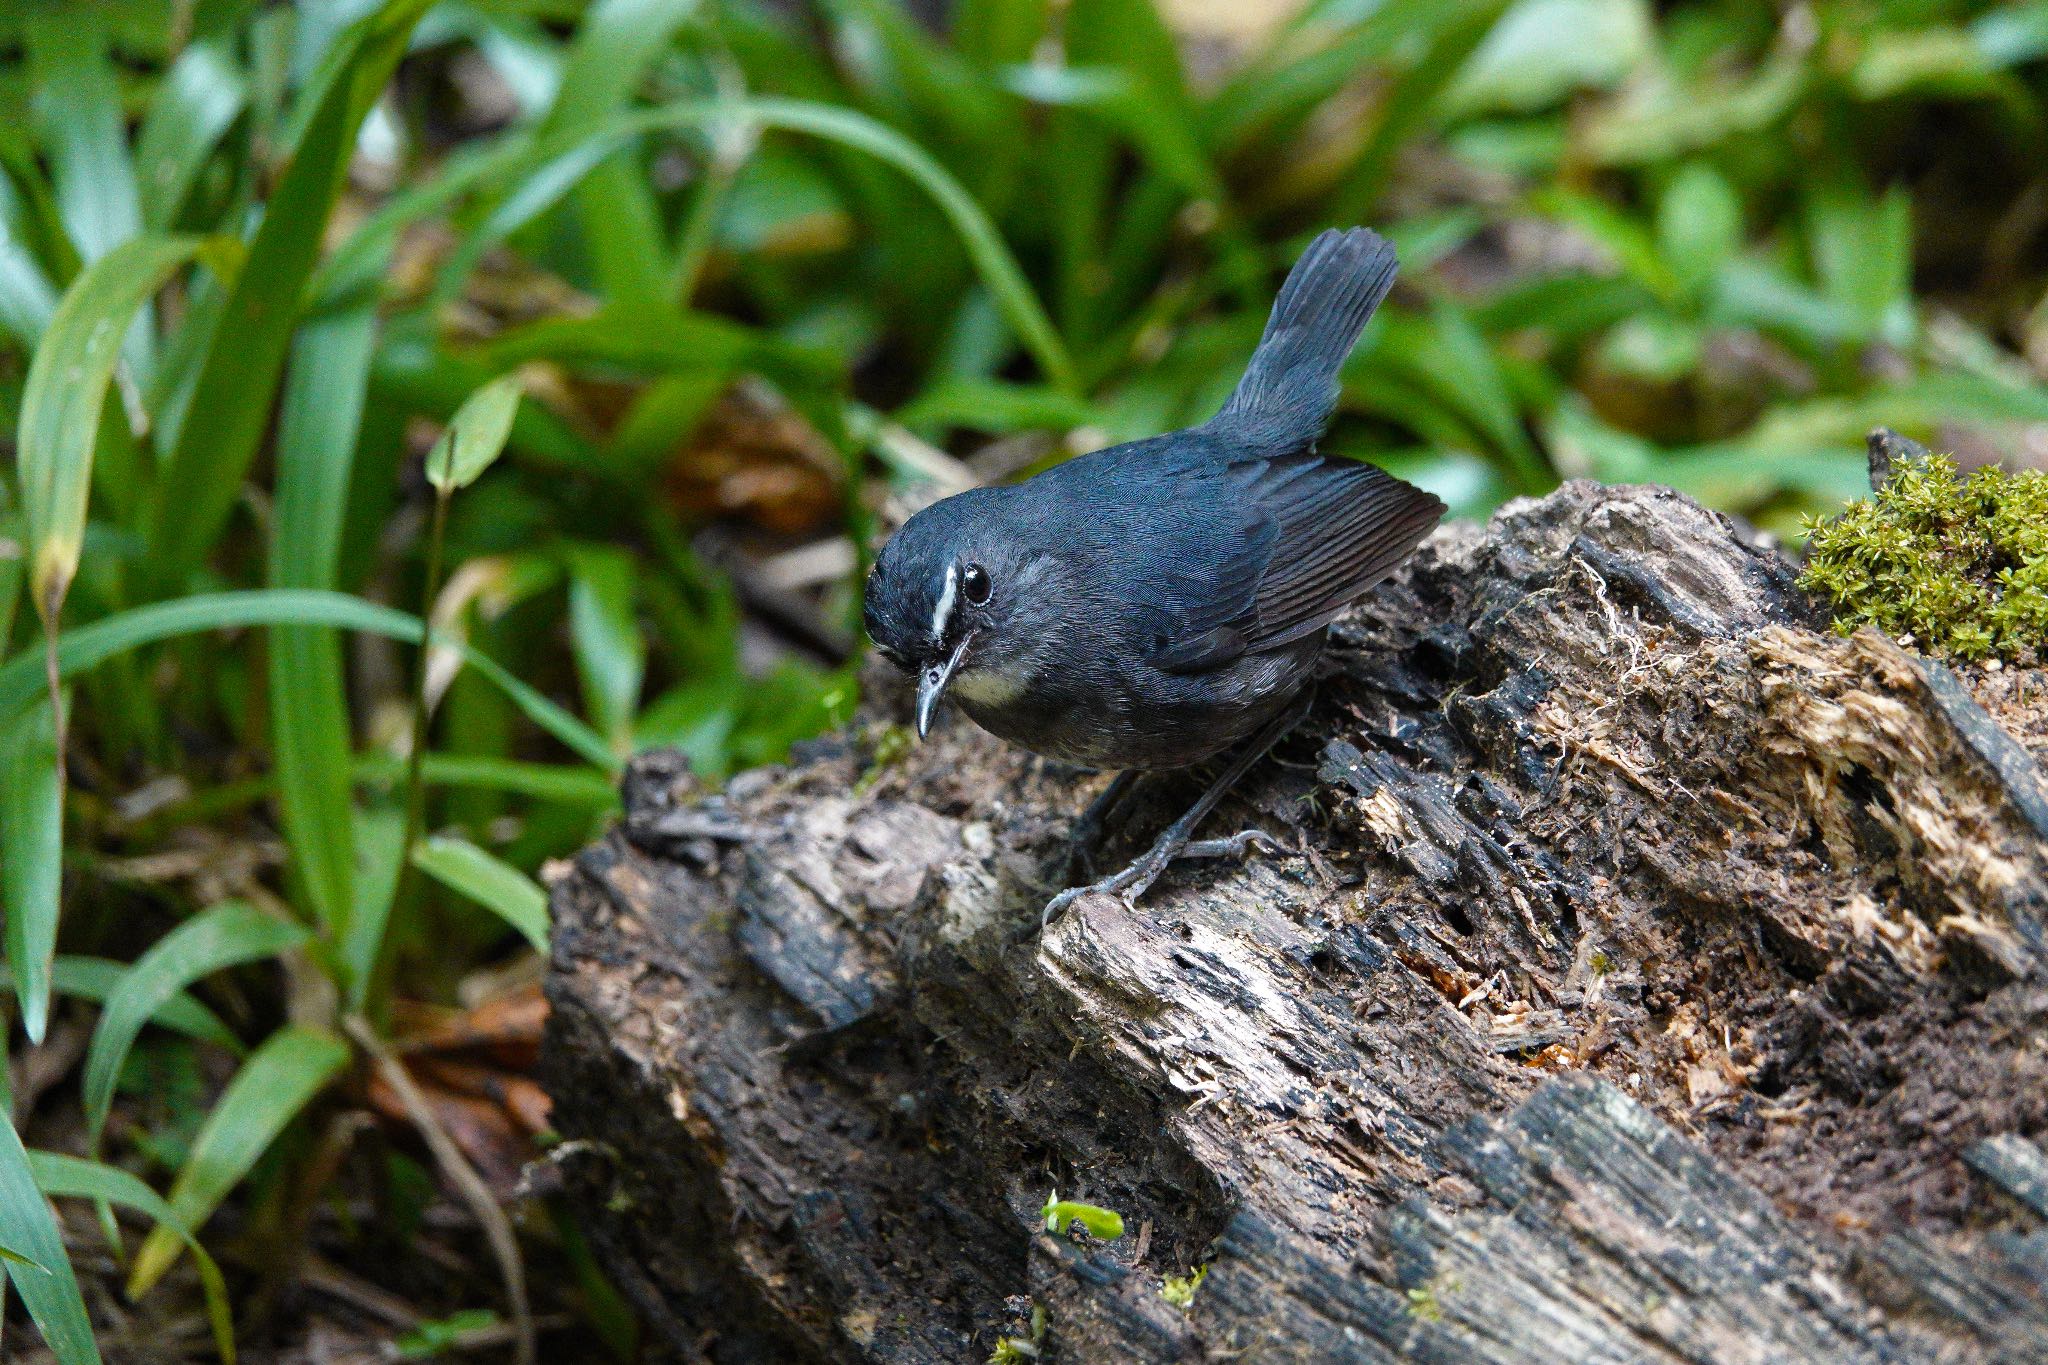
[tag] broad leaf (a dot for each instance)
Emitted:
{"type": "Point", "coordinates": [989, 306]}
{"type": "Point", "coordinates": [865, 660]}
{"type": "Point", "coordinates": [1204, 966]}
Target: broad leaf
{"type": "Point", "coordinates": [475, 435]}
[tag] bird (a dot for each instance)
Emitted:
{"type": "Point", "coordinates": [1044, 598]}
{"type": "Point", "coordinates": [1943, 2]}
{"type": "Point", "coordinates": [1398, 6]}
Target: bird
{"type": "Point", "coordinates": [1153, 605]}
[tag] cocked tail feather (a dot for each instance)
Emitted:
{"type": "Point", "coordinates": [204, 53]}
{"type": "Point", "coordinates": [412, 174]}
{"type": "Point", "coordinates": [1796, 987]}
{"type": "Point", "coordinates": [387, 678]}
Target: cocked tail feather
{"type": "Point", "coordinates": [1290, 387]}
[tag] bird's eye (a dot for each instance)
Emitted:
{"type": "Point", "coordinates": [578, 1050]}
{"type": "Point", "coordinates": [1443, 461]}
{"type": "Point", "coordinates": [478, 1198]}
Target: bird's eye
{"type": "Point", "coordinates": [975, 583]}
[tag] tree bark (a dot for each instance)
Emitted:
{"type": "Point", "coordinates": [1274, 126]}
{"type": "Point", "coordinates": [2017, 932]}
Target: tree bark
{"type": "Point", "coordinates": [1652, 975]}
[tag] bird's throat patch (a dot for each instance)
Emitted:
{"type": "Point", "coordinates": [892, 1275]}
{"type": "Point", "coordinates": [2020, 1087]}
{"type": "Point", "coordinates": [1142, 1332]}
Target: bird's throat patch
{"type": "Point", "coordinates": [986, 687]}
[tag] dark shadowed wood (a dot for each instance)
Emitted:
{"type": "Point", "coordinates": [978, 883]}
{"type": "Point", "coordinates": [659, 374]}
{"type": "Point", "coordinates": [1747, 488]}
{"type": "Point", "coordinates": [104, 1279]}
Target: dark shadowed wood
{"type": "Point", "coordinates": [1653, 976]}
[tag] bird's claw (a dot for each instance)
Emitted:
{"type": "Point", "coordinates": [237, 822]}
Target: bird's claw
{"type": "Point", "coordinates": [1234, 846]}
{"type": "Point", "coordinates": [1135, 880]}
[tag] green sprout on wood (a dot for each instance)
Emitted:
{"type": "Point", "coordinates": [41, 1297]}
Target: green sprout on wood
{"type": "Point", "coordinates": [1017, 1350]}
{"type": "Point", "coordinates": [1106, 1224]}
{"type": "Point", "coordinates": [1179, 1290]}
{"type": "Point", "coordinates": [1956, 564]}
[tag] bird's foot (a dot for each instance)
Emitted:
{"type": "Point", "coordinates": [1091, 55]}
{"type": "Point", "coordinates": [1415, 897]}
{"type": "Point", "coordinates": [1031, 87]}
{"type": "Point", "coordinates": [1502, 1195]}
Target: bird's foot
{"type": "Point", "coordinates": [1135, 880]}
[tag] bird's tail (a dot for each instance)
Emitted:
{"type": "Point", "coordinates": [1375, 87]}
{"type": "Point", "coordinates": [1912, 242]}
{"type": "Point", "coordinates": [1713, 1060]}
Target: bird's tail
{"type": "Point", "coordinates": [1290, 387]}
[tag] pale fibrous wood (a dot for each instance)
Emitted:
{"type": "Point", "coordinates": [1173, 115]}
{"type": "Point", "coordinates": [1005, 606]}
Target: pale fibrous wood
{"type": "Point", "coordinates": [1653, 975]}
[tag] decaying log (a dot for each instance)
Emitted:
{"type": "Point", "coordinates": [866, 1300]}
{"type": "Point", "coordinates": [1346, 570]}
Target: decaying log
{"type": "Point", "coordinates": [1653, 976]}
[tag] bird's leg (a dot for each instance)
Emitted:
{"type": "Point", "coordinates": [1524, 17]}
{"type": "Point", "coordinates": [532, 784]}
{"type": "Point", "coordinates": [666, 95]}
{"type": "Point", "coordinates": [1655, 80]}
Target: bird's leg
{"type": "Point", "coordinates": [1087, 831]}
{"type": "Point", "coordinates": [1132, 882]}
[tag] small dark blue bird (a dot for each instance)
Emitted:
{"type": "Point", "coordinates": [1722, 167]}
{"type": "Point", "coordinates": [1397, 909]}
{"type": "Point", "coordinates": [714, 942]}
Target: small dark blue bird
{"type": "Point", "coordinates": [1155, 604]}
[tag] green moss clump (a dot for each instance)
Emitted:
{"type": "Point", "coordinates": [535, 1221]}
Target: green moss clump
{"type": "Point", "coordinates": [1179, 1290]}
{"type": "Point", "coordinates": [1958, 564]}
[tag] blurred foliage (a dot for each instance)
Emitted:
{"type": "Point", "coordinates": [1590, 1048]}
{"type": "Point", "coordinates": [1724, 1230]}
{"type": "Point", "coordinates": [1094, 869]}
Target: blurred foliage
{"type": "Point", "coordinates": [733, 283]}
{"type": "Point", "coordinates": [1957, 564]}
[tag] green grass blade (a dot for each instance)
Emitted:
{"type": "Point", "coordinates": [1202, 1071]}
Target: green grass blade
{"type": "Point", "coordinates": [21, 679]}
{"type": "Point", "coordinates": [27, 298]}
{"type": "Point", "coordinates": [198, 101]}
{"type": "Point", "coordinates": [533, 196]}
{"type": "Point", "coordinates": [31, 857]}
{"type": "Point", "coordinates": [225, 936]}
{"type": "Point", "coordinates": [575, 786]}
{"type": "Point", "coordinates": [237, 383]}
{"type": "Point", "coordinates": [26, 1226]}
{"type": "Point", "coordinates": [380, 847]}
{"type": "Point", "coordinates": [614, 48]}
{"type": "Point", "coordinates": [10, 591]}
{"type": "Point", "coordinates": [71, 1177]}
{"type": "Point", "coordinates": [1444, 37]}
{"type": "Point", "coordinates": [491, 882]}
{"type": "Point", "coordinates": [82, 127]}
{"type": "Point", "coordinates": [309, 719]}
{"type": "Point", "coordinates": [79, 118]}
{"type": "Point", "coordinates": [291, 1067]}
{"type": "Point", "coordinates": [475, 436]}
{"type": "Point", "coordinates": [65, 395]}
{"type": "Point", "coordinates": [358, 262]}
{"type": "Point", "coordinates": [978, 234]}
{"type": "Point", "coordinates": [611, 653]}
{"type": "Point", "coordinates": [94, 978]}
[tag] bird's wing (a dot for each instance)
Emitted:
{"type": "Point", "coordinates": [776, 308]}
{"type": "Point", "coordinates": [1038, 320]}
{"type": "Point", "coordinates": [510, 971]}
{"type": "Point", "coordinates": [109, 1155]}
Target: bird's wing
{"type": "Point", "coordinates": [1268, 551]}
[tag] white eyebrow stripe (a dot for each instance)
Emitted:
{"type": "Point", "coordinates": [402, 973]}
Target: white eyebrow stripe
{"type": "Point", "coordinates": [944, 611]}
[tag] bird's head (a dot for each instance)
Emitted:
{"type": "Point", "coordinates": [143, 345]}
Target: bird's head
{"type": "Point", "coordinates": [953, 599]}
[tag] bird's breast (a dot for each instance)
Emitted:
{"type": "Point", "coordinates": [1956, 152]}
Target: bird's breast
{"type": "Point", "coordinates": [1134, 716]}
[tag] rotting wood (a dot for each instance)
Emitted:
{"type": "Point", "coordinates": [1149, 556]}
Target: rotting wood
{"type": "Point", "coordinates": [1657, 977]}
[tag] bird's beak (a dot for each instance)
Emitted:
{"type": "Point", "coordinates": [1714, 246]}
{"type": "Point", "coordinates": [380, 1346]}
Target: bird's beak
{"type": "Point", "coordinates": [931, 685]}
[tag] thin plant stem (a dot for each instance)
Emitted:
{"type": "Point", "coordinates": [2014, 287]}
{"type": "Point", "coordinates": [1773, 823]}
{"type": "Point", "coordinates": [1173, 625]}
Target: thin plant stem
{"type": "Point", "coordinates": [482, 1203]}
{"type": "Point", "coordinates": [416, 754]}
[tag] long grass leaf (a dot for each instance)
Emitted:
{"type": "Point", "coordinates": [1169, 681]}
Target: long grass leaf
{"type": "Point", "coordinates": [27, 298]}
{"type": "Point", "coordinates": [617, 43]}
{"type": "Point", "coordinates": [239, 379]}
{"type": "Point", "coordinates": [78, 114]}
{"type": "Point", "coordinates": [225, 936]}
{"type": "Point", "coordinates": [358, 262]}
{"type": "Point", "coordinates": [78, 111]}
{"type": "Point", "coordinates": [611, 653]}
{"type": "Point", "coordinates": [61, 1177]}
{"type": "Point", "coordinates": [309, 720]}
{"type": "Point", "coordinates": [576, 786]}
{"type": "Point", "coordinates": [978, 234]}
{"type": "Point", "coordinates": [194, 106]}
{"type": "Point", "coordinates": [65, 395]}
{"type": "Point", "coordinates": [29, 1229]}
{"type": "Point", "coordinates": [21, 679]}
{"type": "Point", "coordinates": [1446, 39]}
{"type": "Point", "coordinates": [291, 1067]}
{"type": "Point", "coordinates": [31, 856]}
{"type": "Point", "coordinates": [95, 978]}
{"type": "Point", "coordinates": [380, 849]}
{"type": "Point", "coordinates": [491, 882]}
